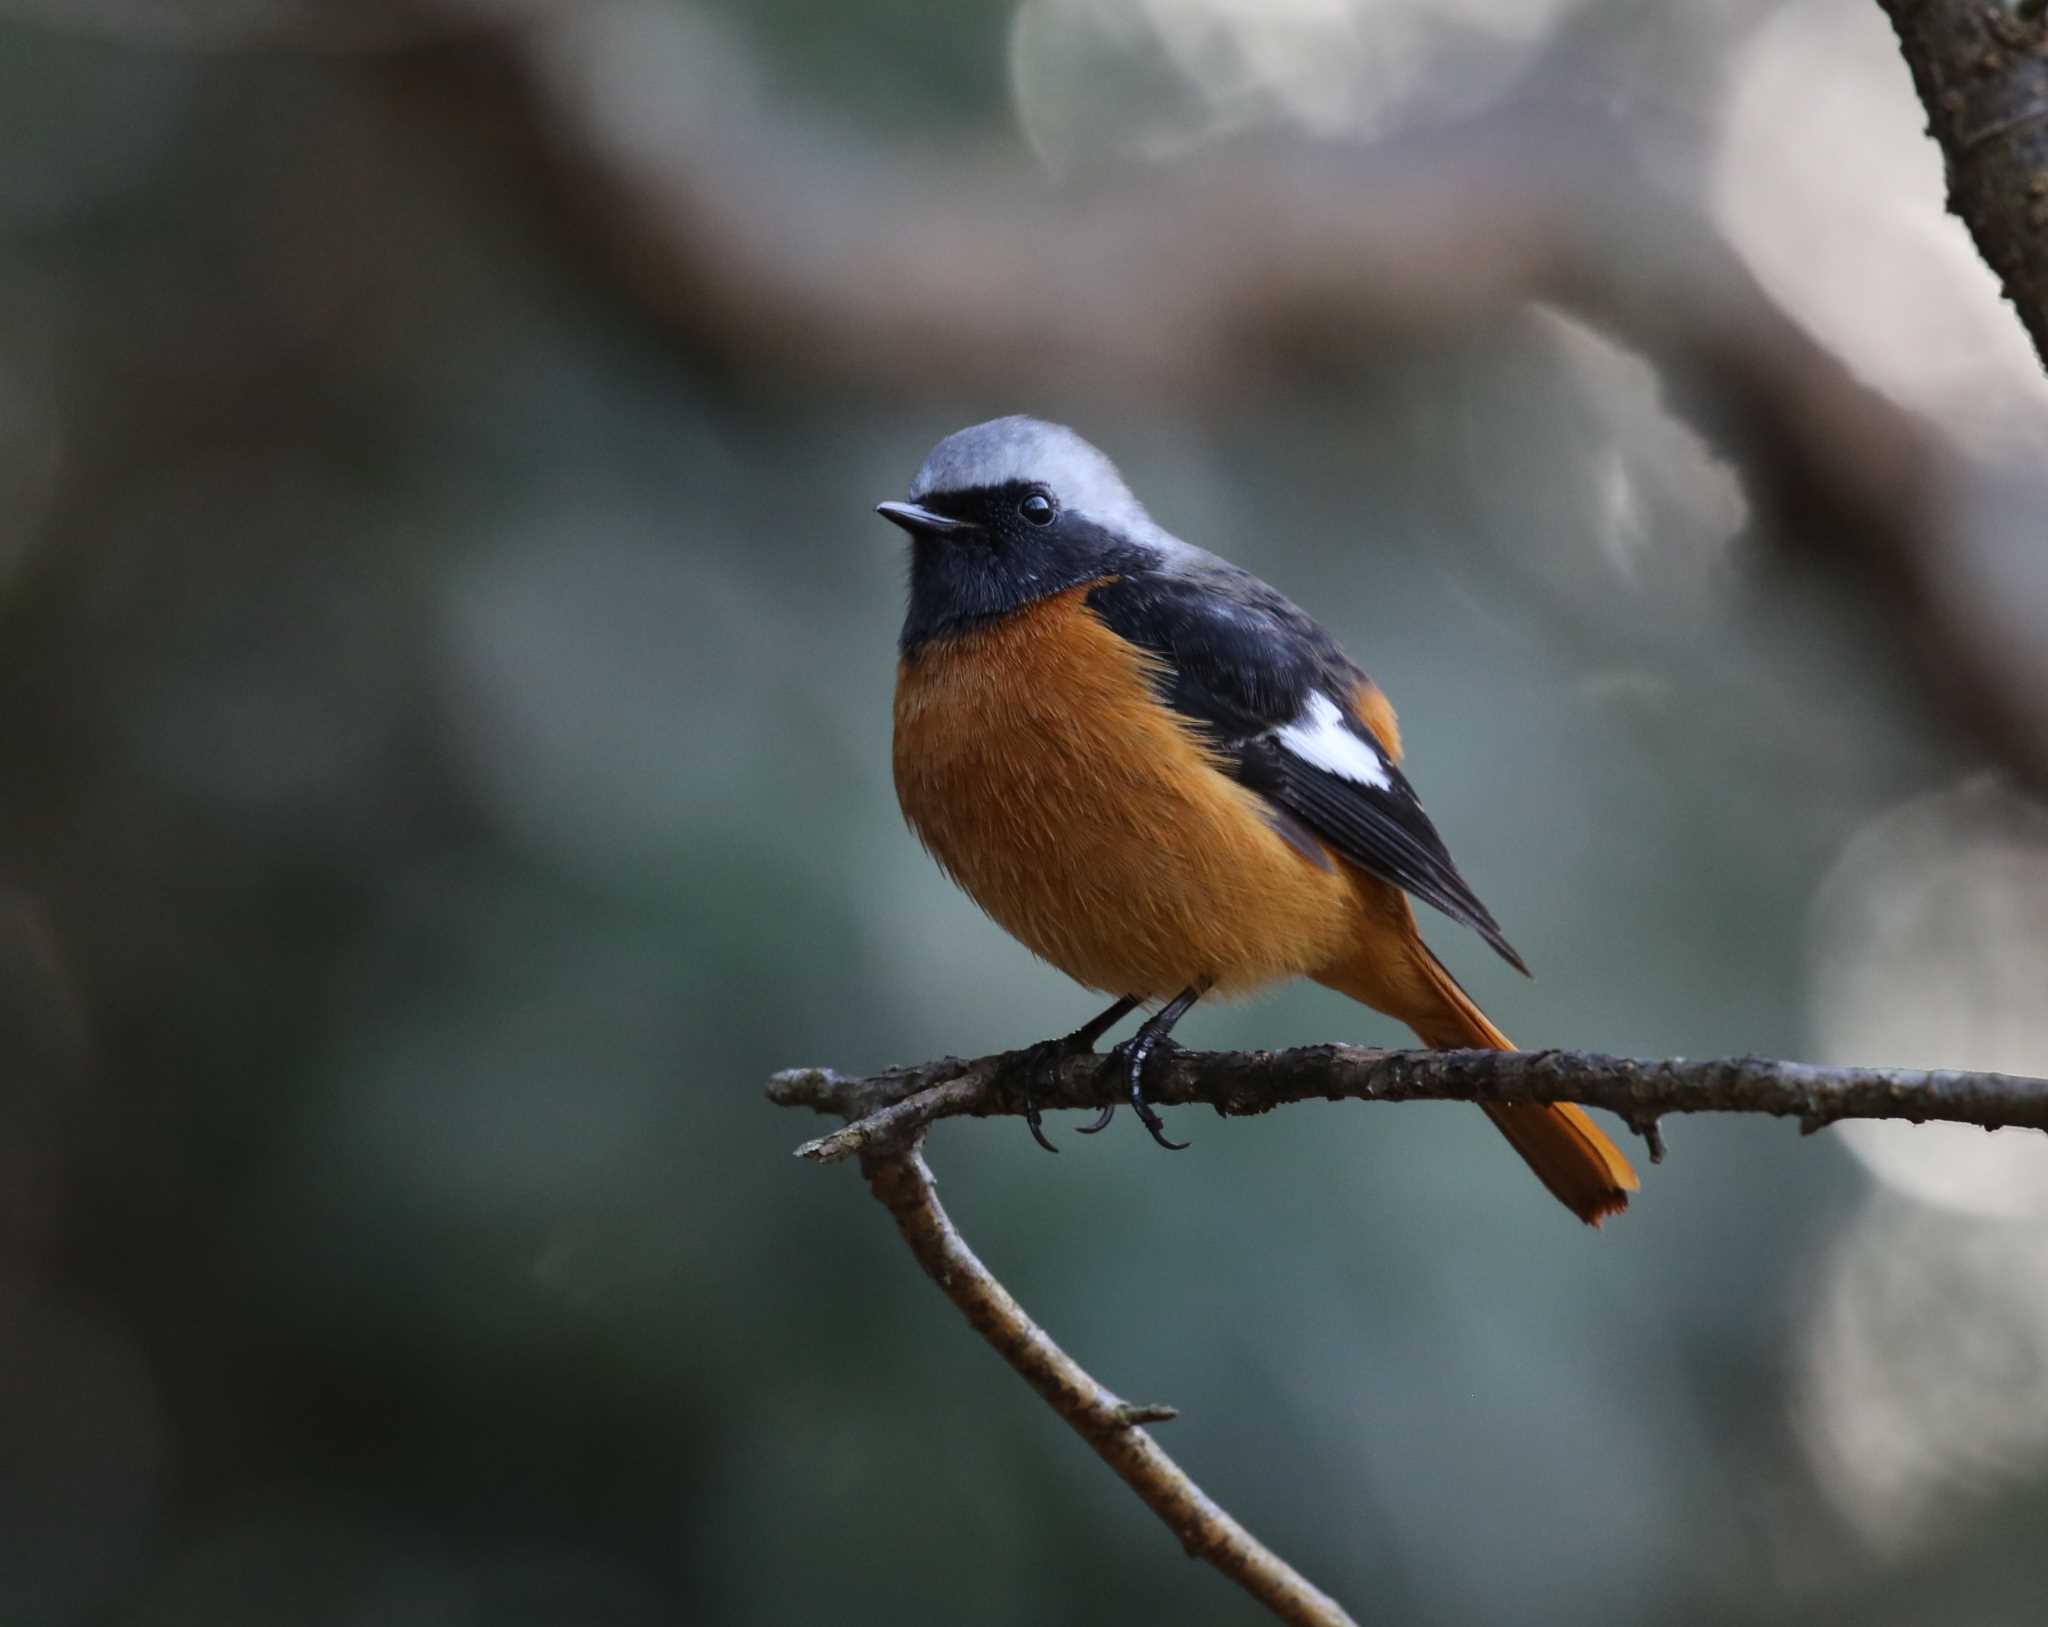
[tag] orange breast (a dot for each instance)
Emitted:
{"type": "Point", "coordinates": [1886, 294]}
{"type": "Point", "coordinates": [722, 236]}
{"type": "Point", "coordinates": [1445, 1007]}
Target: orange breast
{"type": "Point", "coordinates": [1035, 761]}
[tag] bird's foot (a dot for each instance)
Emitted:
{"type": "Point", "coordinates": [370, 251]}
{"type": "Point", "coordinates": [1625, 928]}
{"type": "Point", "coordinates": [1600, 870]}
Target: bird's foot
{"type": "Point", "coordinates": [1132, 1057]}
{"type": "Point", "coordinates": [1035, 1065]}
{"type": "Point", "coordinates": [1039, 1064]}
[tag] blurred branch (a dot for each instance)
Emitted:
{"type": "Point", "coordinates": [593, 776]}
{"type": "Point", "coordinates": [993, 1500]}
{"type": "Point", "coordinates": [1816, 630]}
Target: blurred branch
{"type": "Point", "coordinates": [1982, 72]}
{"type": "Point", "coordinates": [902, 1180]}
{"type": "Point", "coordinates": [886, 1107]}
{"type": "Point", "coordinates": [796, 259]}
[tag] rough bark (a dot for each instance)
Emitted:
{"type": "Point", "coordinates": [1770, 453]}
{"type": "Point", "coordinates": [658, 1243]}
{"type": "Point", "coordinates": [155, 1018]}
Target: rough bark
{"type": "Point", "coordinates": [1982, 74]}
{"type": "Point", "coordinates": [887, 1107]}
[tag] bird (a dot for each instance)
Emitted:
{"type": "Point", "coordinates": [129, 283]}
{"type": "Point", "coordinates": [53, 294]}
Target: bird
{"type": "Point", "coordinates": [1167, 780]}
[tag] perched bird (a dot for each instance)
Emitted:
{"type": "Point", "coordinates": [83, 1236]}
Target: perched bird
{"type": "Point", "coordinates": [1158, 774]}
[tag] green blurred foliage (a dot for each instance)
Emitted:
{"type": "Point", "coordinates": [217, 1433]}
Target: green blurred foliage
{"type": "Point", "coordinates": [899, 66]}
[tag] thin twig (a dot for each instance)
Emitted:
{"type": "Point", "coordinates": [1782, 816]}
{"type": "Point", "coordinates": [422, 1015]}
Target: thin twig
{"type": "Point", "coordinates": [886, 1107]}
{"type": "Point", "coordinates": [902, 1180]}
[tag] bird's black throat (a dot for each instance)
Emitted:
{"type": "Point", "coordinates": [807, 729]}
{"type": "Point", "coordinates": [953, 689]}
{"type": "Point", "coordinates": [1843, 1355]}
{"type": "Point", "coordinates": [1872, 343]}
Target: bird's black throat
{"type": "Point", "coordinates": [960, 580]}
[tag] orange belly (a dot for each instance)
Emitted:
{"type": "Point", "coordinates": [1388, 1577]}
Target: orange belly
{"type": "Point", "coordinates": [1035, 761]}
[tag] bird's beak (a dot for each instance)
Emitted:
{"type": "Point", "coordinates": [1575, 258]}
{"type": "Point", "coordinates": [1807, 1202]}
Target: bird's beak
{"type": "Point", "coordinates": [919, 522]}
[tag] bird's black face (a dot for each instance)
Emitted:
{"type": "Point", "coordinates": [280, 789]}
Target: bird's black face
{"type": "Point", "coordinates": [984, 551]}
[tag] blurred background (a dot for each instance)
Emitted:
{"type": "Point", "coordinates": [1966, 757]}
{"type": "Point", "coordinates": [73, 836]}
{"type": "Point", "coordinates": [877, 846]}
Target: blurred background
{"type": "Point", "coordinates": [443, 771]}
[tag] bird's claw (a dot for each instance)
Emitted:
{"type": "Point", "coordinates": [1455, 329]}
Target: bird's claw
{"type": "Point", "coordinates": [1021, 1069]}
{"type": "Point", "coordinates": [1132, 1056]}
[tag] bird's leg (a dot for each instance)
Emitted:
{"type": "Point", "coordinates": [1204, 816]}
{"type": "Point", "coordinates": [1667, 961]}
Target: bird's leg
{"type": "Point", "coordinates": [1021, 1066]}
{"type": "Point", "coordinates": [1101, 1120]}
{"type": "Point", "coordinates": [1155, 1034]}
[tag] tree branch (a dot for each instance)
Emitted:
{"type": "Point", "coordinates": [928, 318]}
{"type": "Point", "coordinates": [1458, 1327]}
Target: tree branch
{"type": "Point", "coordinates": [889, 1113]}
{"type": "Point", "coordinates": [902, 1181]}
{"type": "Point", "coordinates": [886, 1107]}
{"type": "Point", "coordinates": [792, 259]}
{"type": "Point", "coordinates": [1982, 73]}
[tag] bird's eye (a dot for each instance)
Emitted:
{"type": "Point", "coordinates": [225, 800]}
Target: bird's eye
{"type": "Point", "coordinates": [1037, 508]}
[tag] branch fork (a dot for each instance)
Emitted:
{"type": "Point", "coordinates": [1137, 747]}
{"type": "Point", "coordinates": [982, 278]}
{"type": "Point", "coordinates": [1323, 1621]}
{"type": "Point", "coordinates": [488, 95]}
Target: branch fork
{"type": "Point", "coordinates": [889, 1113]}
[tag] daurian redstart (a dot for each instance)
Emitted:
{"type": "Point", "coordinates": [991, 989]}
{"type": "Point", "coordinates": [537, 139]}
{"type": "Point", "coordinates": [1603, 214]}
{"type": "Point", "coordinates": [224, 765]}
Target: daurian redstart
{"type": "Point", "coordinates": [1160, 775]}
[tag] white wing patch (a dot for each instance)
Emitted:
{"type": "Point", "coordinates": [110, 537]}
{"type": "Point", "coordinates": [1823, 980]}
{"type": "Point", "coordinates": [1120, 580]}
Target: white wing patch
{"type": "Point", "coordinates": [1319, 736]}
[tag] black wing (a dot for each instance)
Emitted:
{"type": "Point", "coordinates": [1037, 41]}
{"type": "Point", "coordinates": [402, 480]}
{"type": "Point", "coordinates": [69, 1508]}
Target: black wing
{"type": "Point", "coordinates": [1274, 693]}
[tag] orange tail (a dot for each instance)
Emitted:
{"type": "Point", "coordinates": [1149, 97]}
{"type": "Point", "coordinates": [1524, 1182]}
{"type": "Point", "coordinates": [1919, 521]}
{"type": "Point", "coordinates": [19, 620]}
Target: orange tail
{"type": "Point", "coordinates": [1584, 1170]}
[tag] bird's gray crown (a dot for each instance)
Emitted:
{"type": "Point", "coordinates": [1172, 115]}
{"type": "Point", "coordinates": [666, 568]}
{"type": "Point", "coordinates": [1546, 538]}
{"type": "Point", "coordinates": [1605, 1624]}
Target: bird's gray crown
{"type": "Point", "coordinates": [1029, 449]}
